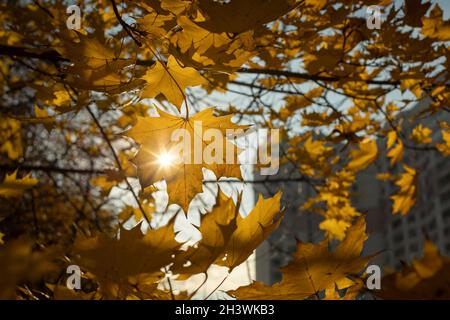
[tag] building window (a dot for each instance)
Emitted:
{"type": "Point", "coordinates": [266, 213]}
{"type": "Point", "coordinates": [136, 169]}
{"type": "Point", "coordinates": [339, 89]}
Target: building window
{"type": "Point", "coordinates": [413, 248]}
{"type": "Point", "coordinates": [423, 214]}
{"type": "Point", "coordinates": [446, 214]}
{"type": "Point", "coordinates": [432, 225]}
{"type": "Point", "coordinates": [399, 252]}
{"type": "Point", "coordinates": [447, 231]}
{"type": "Point", "coordinates": [411, 217]}
{"type": "Point", "coordinates": [398, 237]}
{"type": "Point", "coordinates": [434, 238]}
{"type": "Point", "coordinates": [412, 233]}
{"type": "Point", "coordinates": [445, 197]}
{"type": "Point", "coordinates": [443, 181]}
{"type": "Point", "coordinates": [397, 223]}
{"type": "Point", "coordinates": [447, 248]}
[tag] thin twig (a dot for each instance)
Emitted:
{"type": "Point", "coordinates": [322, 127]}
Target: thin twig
{"type": "Point", "coordinates": [124, 25]}
{"type": "Point", "coordinates": [119, 164]}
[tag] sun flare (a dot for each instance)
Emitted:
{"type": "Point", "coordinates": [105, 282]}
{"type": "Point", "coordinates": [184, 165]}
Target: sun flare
{"type": "Point", "coordinates": [165, 159]}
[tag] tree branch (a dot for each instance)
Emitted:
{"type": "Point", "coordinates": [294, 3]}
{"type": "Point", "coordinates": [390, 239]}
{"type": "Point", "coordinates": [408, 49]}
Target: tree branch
{"type": "Point", "coordinates": [307, 76]}
{"type": "Point", "coordinates": [49, 55]}
{"type": "Point", "coordinates": [119, 164]}
{"type": "Point", "coordinates": [27, 167]}
{"type": "Point", "coordinates": [124, 25]}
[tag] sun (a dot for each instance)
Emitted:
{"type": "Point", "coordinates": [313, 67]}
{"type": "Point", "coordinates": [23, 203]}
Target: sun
{"type": "Point", "coordinates": [165, 159]}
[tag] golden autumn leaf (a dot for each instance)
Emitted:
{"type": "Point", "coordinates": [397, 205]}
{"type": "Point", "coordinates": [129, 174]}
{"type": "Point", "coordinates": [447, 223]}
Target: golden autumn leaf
{"type": "Point", "coordinates": [42, 116]}
{"type": "Point", "coordinates": [421, 134]}
{"type": "Point", "coordinates": [406, 196]}
{"type": "Point", "coordinates": [175, 6]}
{"type": "Point", "coordinates": [434, 26]}
{"type": "Point", "coordinates": [444, 148]}
{"type": "Point", "coordinates": [315, 268]}
{"type": "Point", "coordinates": [351, 293]}
{"type": "Point", "coordinates": [61, 292]}
{"type": "Point", "coordinates": [118, 264]}
{"type": "Point", "coordinates": [425, 278]}
{"type": "Point", "coordinates": [334, 227]}
{"type": "Point", "coordinates": [160, 139]}
{"type": "Point", "coordinates": [21, 262]}
{"type": "Point", "coordinates": [396, 153]}
{"type": "Point", "coordinates": [318, 4]}
{"type": "Point", "coordinates": [333, 86]}
{"type": "Point", "coordinates": [364, 156]}
{"type": "Point", "coordinates": [171, 80]}
{"type": "Point", "coordinates": [217, 228]}
{"type": "Point", "coordinates": [15, 187]}
{"type": "Point", "coordinates": [194, 36]}
{"type": "Point", "coordinates": [94, 65]}
{"type": "Point", "coordinates": [10, 137]}
{"type": "Point", "coordinates": [237, 17]}
{"type": "Point", "coordinates": [251, 231]}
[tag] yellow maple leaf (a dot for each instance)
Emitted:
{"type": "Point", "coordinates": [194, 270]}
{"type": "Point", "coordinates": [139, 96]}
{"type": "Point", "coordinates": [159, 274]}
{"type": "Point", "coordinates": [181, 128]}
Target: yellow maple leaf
{"type": "Point", "coordinates": [396, 153]}
{"type": "Point", "coordinates": [194, 36]}
{"type": "Point", "coordinates": [444, 148]}
{"type": "Point", "coordinates": [425, 278]}
{"type": "Point", "coordinates": [240, 16]}
{"type": "Point", "coordinates": [171, 80]}
{"type": "Point", "coordinates": [94, 65]}
{"type": "Point", "coordinates": [251, 231]}
{"type": "Point", "coordinates": [217, 228]}
{"type": "Point", "coordinates": [364, 156]}
{"type": "Point", "coordinates": [13, 187]}
{"type": "Point", "coordinates": [421, 134]}
{"type": "Point", "coordinates": [406, 197]}
{"type": "Point", "coordinates": [317, 4]}
{"type": "Point", "coordinates": [434, 26]}
{"type": "Point", "coordinates": [315, 268]}
{"type": "Point", "coordinates": [175, 6]}
{"type": "Point", "coordinates": [117, 264]}
{"type": "Point", "coordinates": [21, 262]}
{"type": "Point", "coordinates": [335, 228]}
{"type": "Point", "coordinates": [10, 137]}
{"type": "Point", "coordinates": [158, 157]}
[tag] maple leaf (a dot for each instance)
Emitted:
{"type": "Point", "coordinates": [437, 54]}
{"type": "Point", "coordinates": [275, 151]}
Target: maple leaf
{"type": "Point", "coordinates": [434, 26]}
{"type": "Point", "coordinates": [444, 148]}
{"type": "Point", "coordinates": [95, 66]}
{"type": "Point", "coordinates": [421, 134]}
{"type": "Point", "coordinates": [175, 6]}
{"type": "Point", "coordinates": [13, 187]}
{"type": "Point", "coordinates": [426, 278]}
{"type": "Point", "coordinates": [61, 292]}
{"type": "Point", "coordinates": [170, 80]}
{"type": "Point", "coordinates": [20, 263]}
{"type": "Point", "coordinates": [351, 293]}
{"type": "Point", "coordinates": [396, 153]}
{"type": "Point", "coordinates": [251, 231]}
{"type": "Point", "coordinates": [414, 11]}
{"type": "Point", "coordinates": [10, 137]}
{"type": "Point", "coordinates": [237, 17]}
{"type": "Point", "coordinates": [118, 264]}
{"type": "Point", "coordinates": [194, 36]}
{"type": "Point", "coordinates": [184, 179]}
{"type": "Point", "coordinates": [363, 157]}
{"type": "Point", "coordinates": [261, 51]}
{"type": "Point", "coordinates": [406, 197]}
{"type": "Point", "coordinates": [315, 268]}
{"type": "Point", "coordinates": [334, 227]}
{"type": "Point", "coordinates": [217, 228]}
